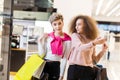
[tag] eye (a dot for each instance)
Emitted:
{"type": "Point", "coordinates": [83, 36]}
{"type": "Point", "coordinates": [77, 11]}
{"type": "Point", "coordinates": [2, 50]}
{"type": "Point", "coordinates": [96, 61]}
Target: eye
{"type": "Point", "coordinates": [54, 24]}
{"type": "Point", "coordinates": [78, 24]}
{"type": "Point", "coordinates": [59, 23]}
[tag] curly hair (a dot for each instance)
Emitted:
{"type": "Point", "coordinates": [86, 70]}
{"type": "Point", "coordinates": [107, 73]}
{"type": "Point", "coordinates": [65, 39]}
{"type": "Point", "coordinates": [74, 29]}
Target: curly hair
{"type": "Point", "coordinates": [90, 26]}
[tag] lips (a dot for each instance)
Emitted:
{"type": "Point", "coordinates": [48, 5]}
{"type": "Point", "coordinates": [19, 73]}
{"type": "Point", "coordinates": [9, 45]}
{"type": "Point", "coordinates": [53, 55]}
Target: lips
{"type": "Point", "coordinates": [58, 29]}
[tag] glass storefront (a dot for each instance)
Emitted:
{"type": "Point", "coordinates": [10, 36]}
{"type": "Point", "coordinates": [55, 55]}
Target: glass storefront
{"type": "Point", "coordinates": [10, 11]}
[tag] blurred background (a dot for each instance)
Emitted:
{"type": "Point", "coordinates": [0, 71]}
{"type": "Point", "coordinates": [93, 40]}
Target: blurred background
{"type": "Point", "coordinates": [23, 21]}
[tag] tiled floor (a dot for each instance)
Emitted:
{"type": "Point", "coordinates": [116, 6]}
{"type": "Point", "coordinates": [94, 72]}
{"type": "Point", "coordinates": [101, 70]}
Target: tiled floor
{"type": "Point", "coordinates": [112, 65]}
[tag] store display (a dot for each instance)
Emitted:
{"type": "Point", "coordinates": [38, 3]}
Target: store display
{"type": "Point", "coordinates": [15, 41]}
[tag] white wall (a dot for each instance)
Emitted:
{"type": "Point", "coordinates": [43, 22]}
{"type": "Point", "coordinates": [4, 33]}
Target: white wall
{"type": "Point", "coordinates": [70, 8]}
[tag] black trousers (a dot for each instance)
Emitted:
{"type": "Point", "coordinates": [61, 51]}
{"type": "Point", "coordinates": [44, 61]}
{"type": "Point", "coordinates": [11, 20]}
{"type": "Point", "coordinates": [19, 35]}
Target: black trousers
{"type": "Point", "coordinates": [51, 68]}
{"type": "Point", "coordinates": [77, 72]}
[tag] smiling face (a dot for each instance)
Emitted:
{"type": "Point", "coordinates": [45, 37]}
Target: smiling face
{"type": "Point", "coordinates": [57, 26]}
{"type": "Point", "coordinates": [79, 26]}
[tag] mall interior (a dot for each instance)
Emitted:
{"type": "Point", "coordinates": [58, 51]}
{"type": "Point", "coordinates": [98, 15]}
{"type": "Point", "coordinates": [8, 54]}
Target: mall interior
{"type": "Point", "coordinates": [22, 21]}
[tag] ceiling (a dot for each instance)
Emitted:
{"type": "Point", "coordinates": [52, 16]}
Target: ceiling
{"type": "Point", "coordinates": [106, 8]}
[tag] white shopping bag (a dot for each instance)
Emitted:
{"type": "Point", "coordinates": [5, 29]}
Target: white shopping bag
{"type": "Point", "coordinates": [39, 71]}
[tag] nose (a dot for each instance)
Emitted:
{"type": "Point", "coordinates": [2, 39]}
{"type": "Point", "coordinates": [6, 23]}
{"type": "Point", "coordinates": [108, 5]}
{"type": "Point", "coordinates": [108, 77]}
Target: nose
{"type": "Point", "coordinates": [57, 25]}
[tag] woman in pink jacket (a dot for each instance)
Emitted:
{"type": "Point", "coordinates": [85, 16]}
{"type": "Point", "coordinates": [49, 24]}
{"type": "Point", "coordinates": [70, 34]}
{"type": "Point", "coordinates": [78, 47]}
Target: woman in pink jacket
{"type": "Point", "coordinates": [84, 37]}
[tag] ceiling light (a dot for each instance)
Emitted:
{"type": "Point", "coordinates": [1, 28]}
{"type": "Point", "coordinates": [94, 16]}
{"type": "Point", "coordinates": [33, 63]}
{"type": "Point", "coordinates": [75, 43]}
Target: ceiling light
{"type": "Point", "coordinates": [107, 6]}
{"type": "Point", "coordinates": [117, 7]}
{"type": "Point", "coordinates": [99, 6]}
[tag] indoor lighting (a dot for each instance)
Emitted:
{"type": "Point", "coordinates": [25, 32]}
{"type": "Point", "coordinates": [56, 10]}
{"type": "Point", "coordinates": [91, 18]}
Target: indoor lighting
{"type": "Point", "coordinates": [107, 6]}
{"type": "Point", "coordinates": [117, 14]}
{"type": "Point", "coordinates": [99, 6]}
{"type": "Point", "coordinates": [117, 7]}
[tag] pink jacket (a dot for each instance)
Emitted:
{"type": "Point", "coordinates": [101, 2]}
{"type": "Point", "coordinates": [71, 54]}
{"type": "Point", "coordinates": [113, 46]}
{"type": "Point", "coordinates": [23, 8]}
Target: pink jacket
{"type": "Point", "coordinates": [82, 51]}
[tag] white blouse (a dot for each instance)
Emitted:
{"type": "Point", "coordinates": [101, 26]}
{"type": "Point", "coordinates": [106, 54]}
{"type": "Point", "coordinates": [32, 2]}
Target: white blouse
{"type": "Point", "coordinates": [53, 57]}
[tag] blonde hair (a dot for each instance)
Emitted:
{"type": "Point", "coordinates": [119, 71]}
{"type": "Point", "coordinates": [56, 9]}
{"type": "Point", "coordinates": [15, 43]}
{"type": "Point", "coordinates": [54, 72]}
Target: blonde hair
{"type": "Point", "coordinates": [55, 16]}
{"type": "Point", "coordinates": [90, 26]}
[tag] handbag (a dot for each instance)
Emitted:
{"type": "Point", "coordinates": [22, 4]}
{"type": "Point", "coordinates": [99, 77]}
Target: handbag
{"type": "Point", "coordinates": [101, 73]}
{"type": "Point", "coordinates": [28, 68]}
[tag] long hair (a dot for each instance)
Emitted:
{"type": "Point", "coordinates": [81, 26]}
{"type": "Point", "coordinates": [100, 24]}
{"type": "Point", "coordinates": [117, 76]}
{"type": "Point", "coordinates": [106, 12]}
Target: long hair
{"type": "Point", "coordinates": [90, 26]}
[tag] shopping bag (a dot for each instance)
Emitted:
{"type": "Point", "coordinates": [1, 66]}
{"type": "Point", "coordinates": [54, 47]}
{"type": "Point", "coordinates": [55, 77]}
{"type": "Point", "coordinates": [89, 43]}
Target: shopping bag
{"type": "Point", "coordinates": [27, 70]}
{"type": "Point", "coordinates": [101, 73]}
{"type": "Point", "coordinates": [39, 71]}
